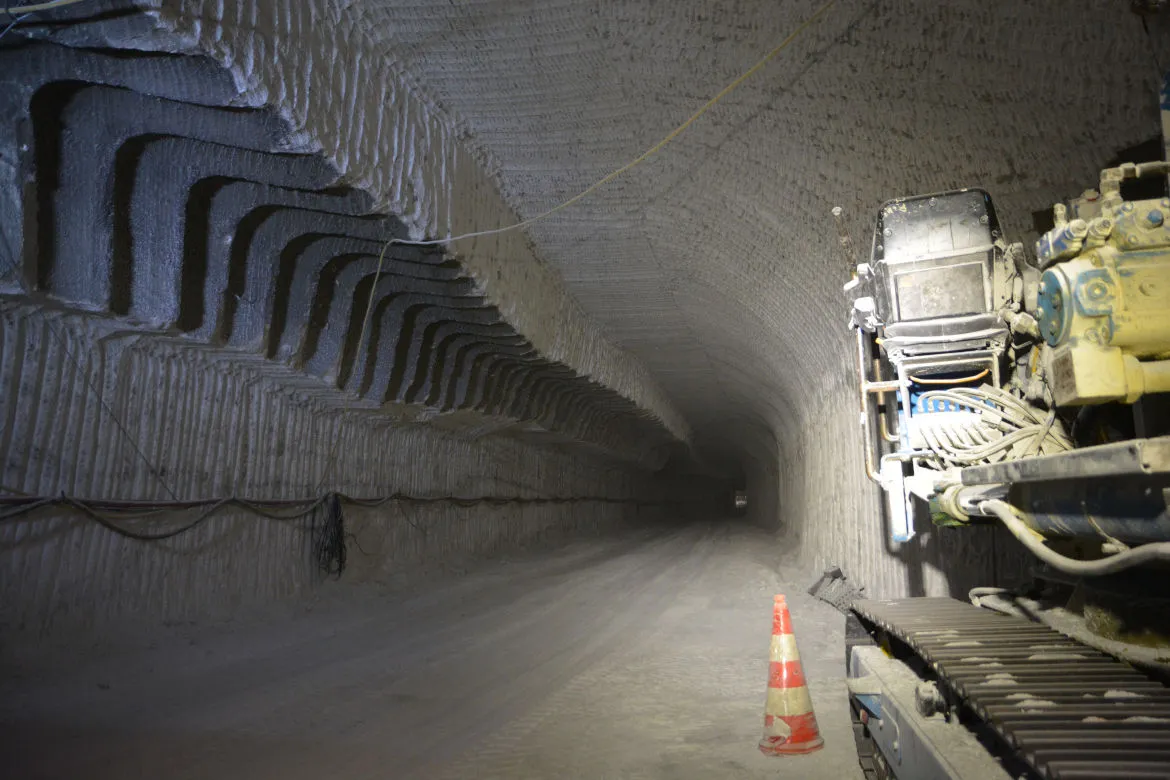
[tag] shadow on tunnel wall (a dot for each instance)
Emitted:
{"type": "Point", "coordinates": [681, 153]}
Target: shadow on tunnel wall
{"type": "Point", "coordinates": [183, 297]}
{"type": "Point", "coordinates": [965, 557]}
{"type": "Point", "coordinates": [943, 560]}
{"type": "Point", "coordinates": [830, 514]}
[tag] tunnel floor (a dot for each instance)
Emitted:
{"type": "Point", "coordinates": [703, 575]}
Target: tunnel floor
{"type": "Point", "coordinates": [643, 656]}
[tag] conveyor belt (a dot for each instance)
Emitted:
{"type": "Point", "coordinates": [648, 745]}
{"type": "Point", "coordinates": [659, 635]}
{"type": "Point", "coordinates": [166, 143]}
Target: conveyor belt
{"type": "Point", "coordinates": [1069, 711]}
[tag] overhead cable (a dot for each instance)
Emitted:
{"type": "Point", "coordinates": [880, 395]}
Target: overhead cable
{"type": "Point", "coordinates": [675, 133]}
{"type": "Point", "coordinates": [28, 9]}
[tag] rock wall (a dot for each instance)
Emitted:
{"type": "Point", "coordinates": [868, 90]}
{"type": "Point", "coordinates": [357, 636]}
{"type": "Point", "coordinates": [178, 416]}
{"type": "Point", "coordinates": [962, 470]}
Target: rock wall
{"type": "Point", "coordinates": [213, 425]}
{"type": "Point", "coordinates": [195, 304]}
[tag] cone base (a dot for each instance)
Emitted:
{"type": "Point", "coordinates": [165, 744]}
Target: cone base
{"type": "Point", "coordinates": [778, 746]}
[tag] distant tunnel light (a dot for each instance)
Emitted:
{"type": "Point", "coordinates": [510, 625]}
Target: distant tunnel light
{"type": "Point", "coordinates": [740, 500]}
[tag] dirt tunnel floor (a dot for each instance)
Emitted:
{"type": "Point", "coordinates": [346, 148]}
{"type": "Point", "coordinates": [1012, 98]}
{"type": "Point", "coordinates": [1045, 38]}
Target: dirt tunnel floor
{"type": "Point", "coordinates": [635, 657]}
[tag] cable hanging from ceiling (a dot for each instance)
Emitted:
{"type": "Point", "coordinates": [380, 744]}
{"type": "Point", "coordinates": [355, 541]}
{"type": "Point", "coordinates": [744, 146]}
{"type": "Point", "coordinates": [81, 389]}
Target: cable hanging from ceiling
{"type": "Point", "coordinates": [657, 147]}
{"type": "Point", "coordinates": [25, 10]}
{"type": "Point", "coordinates": [675, 133]}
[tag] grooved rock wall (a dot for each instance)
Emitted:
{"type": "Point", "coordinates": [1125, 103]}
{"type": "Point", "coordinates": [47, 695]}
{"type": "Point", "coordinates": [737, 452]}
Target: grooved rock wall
{"type": "Point", "coordinates": [139, 189]}
{"type": "Point", "coordinates": [183, 291]}
{"type": "Point", "coordinates": [217, 425]}
{"type": "Point", "coordinates": [328, 69]}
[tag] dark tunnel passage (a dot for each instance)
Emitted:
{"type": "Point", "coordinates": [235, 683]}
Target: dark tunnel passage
{"type": "Point", "coordinates": [315, 464]}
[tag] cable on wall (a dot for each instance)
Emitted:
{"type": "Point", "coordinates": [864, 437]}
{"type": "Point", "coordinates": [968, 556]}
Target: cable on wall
{"type": "Point", "coordinates": [576, 198]}
{"type": "Point", "coordinates": [15, 21]}
{"type": "Point", "coordinates": [26, 11]}
{"type": "Point", "coordinates": [91, 509]}
{"type": "Point", "coordinates": [328, 537]}
{"type": "Point", "coordinates": [276, 509]}
{"type": "Point", "coordinates": [33, 8]}
{"type": "Point", "coordinates": [108, 512]}
{"type": "Point", "coordinates": [361, 340]}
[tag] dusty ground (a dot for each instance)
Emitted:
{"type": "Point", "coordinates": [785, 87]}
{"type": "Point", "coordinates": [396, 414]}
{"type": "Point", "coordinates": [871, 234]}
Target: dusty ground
{"type": "Point", "coordinates": [635, 657]}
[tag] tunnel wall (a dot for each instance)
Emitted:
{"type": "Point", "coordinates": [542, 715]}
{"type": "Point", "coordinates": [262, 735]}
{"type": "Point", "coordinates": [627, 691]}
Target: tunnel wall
{"type": "Point", "coordinates": [716, 263]}
{"type": "Point", "coordinates": [137, 188]}
{"type": "Point", "coordinates": [834, 516]}
{"type": "Point", "coordinates": [215, 426]}
{"type": "Point", "coordinates": [324, 68]}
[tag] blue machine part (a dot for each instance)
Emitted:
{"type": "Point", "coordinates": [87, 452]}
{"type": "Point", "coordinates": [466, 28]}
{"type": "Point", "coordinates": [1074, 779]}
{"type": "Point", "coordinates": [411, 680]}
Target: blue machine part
{"type": "Point", "coordinates": [918, 405]}
{"type": "Point", "coordinates": [872, 702]}
{"type": "Point", "coordinates": [1052, 306]}
{"type": "Point", "coordinates": [1055, 245]}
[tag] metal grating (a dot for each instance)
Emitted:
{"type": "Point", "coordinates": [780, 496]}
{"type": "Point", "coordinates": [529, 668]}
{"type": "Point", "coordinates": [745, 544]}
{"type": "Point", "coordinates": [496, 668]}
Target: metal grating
{"type": "Point", "coordinates": [1069, 710]}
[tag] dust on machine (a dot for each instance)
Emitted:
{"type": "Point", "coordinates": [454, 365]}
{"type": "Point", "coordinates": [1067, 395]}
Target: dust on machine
{"type": "Point", "coordinates": [1025, 386]}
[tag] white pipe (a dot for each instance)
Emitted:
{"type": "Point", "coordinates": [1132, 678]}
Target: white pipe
{"type": "Point", "coordinates": [1146, 553]}
{"type": "Point", "coordinates": [863, 388]}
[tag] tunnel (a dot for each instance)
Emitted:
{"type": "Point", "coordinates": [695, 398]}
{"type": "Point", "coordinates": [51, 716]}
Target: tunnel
{"type": "Point", "coordinates": [425, 389]}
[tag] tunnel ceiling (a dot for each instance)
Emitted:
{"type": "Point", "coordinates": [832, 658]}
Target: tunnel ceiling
{"type": "Point", "coordinates": [703, 286]}
{"type": "Point", "coordinates": [713, 263]}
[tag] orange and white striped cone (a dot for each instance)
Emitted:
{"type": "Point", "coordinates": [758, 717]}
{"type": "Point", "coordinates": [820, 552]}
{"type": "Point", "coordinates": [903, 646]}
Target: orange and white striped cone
{"type": "Point", "coordinates": [790, 726]}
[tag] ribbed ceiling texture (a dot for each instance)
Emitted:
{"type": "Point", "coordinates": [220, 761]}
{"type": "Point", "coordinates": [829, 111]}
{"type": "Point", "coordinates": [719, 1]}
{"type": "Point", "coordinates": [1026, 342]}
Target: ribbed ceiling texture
{"type": "Point", "coordinates": [713, 263]}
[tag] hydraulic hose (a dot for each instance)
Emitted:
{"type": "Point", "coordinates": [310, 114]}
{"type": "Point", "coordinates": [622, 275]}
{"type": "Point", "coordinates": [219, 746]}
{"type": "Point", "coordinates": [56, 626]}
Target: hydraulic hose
{"type": "Point", "coordinates": [1007, 514]}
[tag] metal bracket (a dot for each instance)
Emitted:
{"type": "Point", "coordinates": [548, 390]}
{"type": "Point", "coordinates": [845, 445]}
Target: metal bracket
{"type": "Point", "coordinates": [915, 747]}
{"type": "Point", "coordinates": [1135, 457]}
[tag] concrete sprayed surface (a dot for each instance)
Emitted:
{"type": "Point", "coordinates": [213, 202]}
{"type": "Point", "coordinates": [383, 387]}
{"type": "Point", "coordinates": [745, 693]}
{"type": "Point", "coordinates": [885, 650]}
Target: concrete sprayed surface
{"type": "Point", "coordinates": [642, 655]}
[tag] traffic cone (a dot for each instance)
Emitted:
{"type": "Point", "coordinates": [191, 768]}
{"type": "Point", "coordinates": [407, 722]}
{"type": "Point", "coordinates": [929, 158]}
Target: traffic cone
{"type": "Point", "coordinates": [790, 726]}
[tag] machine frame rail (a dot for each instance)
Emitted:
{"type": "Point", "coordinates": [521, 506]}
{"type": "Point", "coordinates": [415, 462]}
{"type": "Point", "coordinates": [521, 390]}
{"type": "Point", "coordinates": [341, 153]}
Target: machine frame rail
{"type": "Point", "coordinates": [1067, 710]}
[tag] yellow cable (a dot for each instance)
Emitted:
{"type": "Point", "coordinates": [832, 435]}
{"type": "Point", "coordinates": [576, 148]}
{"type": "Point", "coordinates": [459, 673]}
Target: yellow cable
{"type": "Point", "coordinates": [961, 380]}
{"type": "Point", "coordinates": [360, 344]}
{"type": "Point", "coordinates": [644, 155]}
{"type": "Point", "coordinates": [592, 188]}
{"type": "Point", "coordinates": [28, 9]}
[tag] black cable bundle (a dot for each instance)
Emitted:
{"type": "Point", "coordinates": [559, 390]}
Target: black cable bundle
{"type": "Point", "coordinates": [329, 536]}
